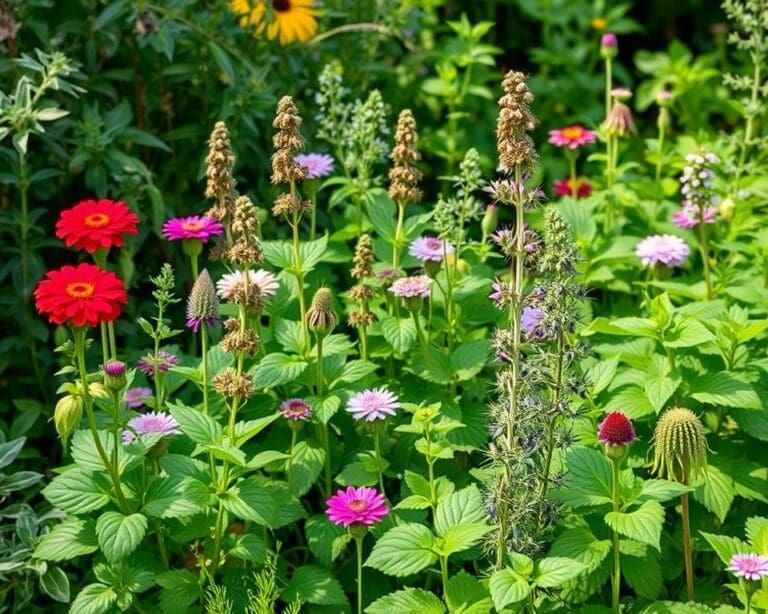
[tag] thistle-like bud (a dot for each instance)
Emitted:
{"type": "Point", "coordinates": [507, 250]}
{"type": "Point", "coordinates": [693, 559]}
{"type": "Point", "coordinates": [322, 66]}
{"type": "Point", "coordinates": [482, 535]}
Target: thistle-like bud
{"type": "Point", "coordinates": [202, 305]}
{"type": "Point", "coordinates": [114, 375]}
{"type": "Point", "coordinates": [287, 141]}
{"type": "Point", "coordinates": [680, 445]}
{"type": "Point", "coordinates": [321, 318]}
{"type": "Point", "coordinates": [363, 259]}
{"type": "Point", "coordinates": [67, 415]}
{"type": "Point", "coordinates": [619, 120]}
{"type": "Point", "coordinates": [514, 122]}
{"type": "Point", "coordinates": [219, 164]}
{"type": "Point", "coordinates": [404, 177]}
{"type": "Point", "coordinates": [609, 45]}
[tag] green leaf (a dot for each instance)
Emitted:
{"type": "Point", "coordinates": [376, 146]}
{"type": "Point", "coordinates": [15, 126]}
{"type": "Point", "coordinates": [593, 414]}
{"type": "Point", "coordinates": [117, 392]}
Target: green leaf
{"type": "Point", "coordinates": [581, 545]}
{"type": "Point", "coordinates": [726, 546]}
{"type": "Point", "coordinates": [400, 333]}
{"type": "Point", "coordinates": [643, 574]}
{"type": "Point", "coordinates": [554, 571]}
{"type": "Point", "coordinates": [277, 369]}
{"type": "Point", "coordinates": [94, 599]}
{"type": "Point", "coordinates": [278, 254]}
{"type": "Point", "coordinates": [306, 465]}
{"type": "Point", "coordinates": [404, 550]}
{"type": "Point", "coordinates": [662, 490]}
{"type": "Point", "coordinates": [725, 389]}
{"type": "Point", "coordinates": [468, 359]}
{"type": "Point", "coordinates": [464, 506]}
{"type": "Point", "coordinates": [687, 332]}
{"type": "Point", "coordinates": [227, 452]}
{"type": "Point", "coordinates": [78, 492]}
{"type": "Point", "coordinates": [326, 408]}
{"type": "Point", "coordinates": [249, 501]}
{"type": "Point", "coordinates": [314, 584]}
{"type": "Point", "coordinates": [643, 524]}
{"type": "Point", "coordinates": [245, 431]}
{"type": "Point", "coordinates": [55, 584]}
{"type": "Point", "coordinates": [9, 451]}
{"type": "Point", "coordinates": [460, 537]}
{"type": "Point", "coordinates": [625, 327]}
{"type": "Point", "coordinates": [715, 491]}
{"type": "Point", "coordinates": [249, 547]}
{"type": "Point", "coordinates": [175, 497]}
{"type": "Point", "coordinates": [659, 389]}
{"type": "Point", "coordinates": [467, 595]}
{"type": "Point", "coordinates": [73, 537]}
{"type": "Point", "coordinates": [180, 589]}
{"type": "Point", "coordinates": [196, 425]}
{"type": "Point", "coordinates": [601, 374]}
{"type": "Point", "coordinates": [224, 62]}
{"type": "Point", "coordinates": [588, 479]}
{"type": "Point", "coordinates": [407, 601]}
{"type": "Point", "coordinates": [382, 213]}
{"type": "Point", "coordinates": [312, 252]}
{"type": "Point", "coordinates": [433, 366]}
{"type": "Point", "coordinates": [507, 588]}
{"type": "Point", "coordinates": [757, 531]}
{"type": "Point", "coordinates": [326, 540]}
{"type": "Point", "coordinates": [120, 535]}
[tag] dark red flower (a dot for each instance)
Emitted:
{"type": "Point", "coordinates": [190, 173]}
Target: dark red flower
{"type": "Point", "coordinates": [81, 295]}
{"type": "Point", "coordinates": [562, 187]}
{"type": "Point", "coordinates": [93, 224]}
{"type": "Point", "coordinates": [616, 430]}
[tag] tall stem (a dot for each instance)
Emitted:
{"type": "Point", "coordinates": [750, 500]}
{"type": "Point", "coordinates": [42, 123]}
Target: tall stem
{"type": "Point", "coordinates": [608, 84]}
{"type": "Point", "coordinates": [24, 224]}
{"type": "Point", "coordinates": [377, 448]}
{"type": "Point", "coordinates": [687, 550]}
{"type": "Point", "coordinates": [659, 161]}
{"type": "Point", "coordinates": [444, 573]}
{"type": "Point", "coordinates": [204, 352]}
{"type": "Point", "coordinates": [359, 547]}
{"type": "Point", "coordinates": [324, 426]}
{"type": "Point", "coordinates": [104, 342]}
{"type": "Point", "coordinates": [704, 249]}
{"type": "Point", "coordinates": [398, 232]}
{"type": "Point", "coordinates": [572, 167]}
{"type": "Point", "coordinates": [289, 468]}
{"type": "Point", "coordinates": [616, 577]}
{"type": "Point", "coordinates": [299, 274]}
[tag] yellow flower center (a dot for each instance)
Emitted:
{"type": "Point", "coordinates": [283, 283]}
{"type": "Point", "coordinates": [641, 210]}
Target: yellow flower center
{"type": "Point", "coordinates": [96, 220]}
{"type": "Point", "coordinates": [192, 226]}
{"type": "Point", "coordinates": [599, 23]}
{"type": "Point", "coordinates": [358, 505]}
{"type": "Point", "coordinates": [572, 133]}
{"type": "Point", "coordinates": [80, 289]}
{"type": "Point", "coordinates": [281, 6]}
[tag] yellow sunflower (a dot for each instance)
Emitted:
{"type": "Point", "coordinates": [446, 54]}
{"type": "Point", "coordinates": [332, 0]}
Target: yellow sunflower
{"type": "Point", "coordinates": [286, 20]}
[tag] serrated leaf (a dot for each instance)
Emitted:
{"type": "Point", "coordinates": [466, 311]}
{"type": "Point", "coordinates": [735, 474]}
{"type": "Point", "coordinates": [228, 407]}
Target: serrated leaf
{"type": "Point", "coordinates": [643, 574]}
{"type": "Point", "coordinates": [726, 546]}
{"type": "Point", "coordinates": [400, 333]}
{"type": "Point", "coordinates": [249, 501]}
{"type": "Point", "coordinates": [715, 492]}
{"type": "Point", "coordinates": [326, 540]}
{"type": "Point", "coordinates": [314, 584]}
{"type": "Point", "coordinates": [249, 547]}
{"type": "Point", "coordinates": [468, 359]}
{"type": "Point", "coordinates": [460, 537]}
{"type": "Point", "coordinates": [180, 589]}
{"type": "Point", "coordinates": [404, 550]}
{"type": "Point", "coordinates": [175, 497]}
{"type": "Point", "coordinates": [306, 464]}
{"type": "Point", "coordinates": [78, 492]}
{"type": "Point", "coordinates": [724, 389]}
{"type": "Point", "coordinates": [194, 424]}
{"type": "Point", "coordinates": [119, 535]}
{"type": "Point", "coordinates": [407, 601]}
{"type": "Point", "coordinates": [588, 479]}
{"type": "Point", "coordinates": [507, 588]}
{"type": "Point", "coordinates": [94, 599]}
{"type": "Point", "coordinates": [467, 595]}
{"type": "Point", "coordinates": [642, 524]}
{"type": "Point", "coordinates": [581, 545]}
{"type": "Point", "coordinates": [554, 571]}
{"type": "Point", "coordinates": [67, 540]}
{"type": "Point", "coordinates": [662, 490]}
{"type": "Point", "coordinates": [464, 506]}
{"type": "Point", "coordinates": [277, 369]}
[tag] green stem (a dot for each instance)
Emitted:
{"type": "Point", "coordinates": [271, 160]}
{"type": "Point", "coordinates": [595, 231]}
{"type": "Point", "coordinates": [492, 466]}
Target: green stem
{"type": "Point", "coordinates": [359, 547]}
{"type": "Point", "coordinates": [572, 166]}
{"type": "Point", "coordinates": [419, 331]}
{"type": "Point", "coordinates": [608, 85]}
{"type": "Point", "coordinates": [104, 343]}
{"type": "Point", "coordinates": [687, 549]}
{"type": "Point", "coordinates": [298, 273]}
{"type": "Point", "coordinates": [444, 573]}
{"type": "Point", "coordinates": [312, 190]}
{"type": "Point", "coordinates": [289, 468]}
{"type": "Point", "coordinates": [204, 352]}
{"type": "Point", "coordinates": [616, 577]}
{"type": "Point", "coordinates": [324, 426]}
{"type": "Point", "coordinates": [193, 263]}
{"type": "Point", "coordinates": [377, 448]}
{"type": "Point", "coordinates": [398, 232]}
{"type": "Point", "coordinates": [112, 340]}
{"type": "Point", "coordinates": [659, 160]}
{"type": "Point", "coordinates": [24, 224]}
{"type": "Point", "coordinates": [704, 249]}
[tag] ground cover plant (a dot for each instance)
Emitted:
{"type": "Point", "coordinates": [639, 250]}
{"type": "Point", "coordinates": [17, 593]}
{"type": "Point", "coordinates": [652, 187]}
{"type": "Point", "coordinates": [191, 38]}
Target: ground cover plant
{"type": "Point", "coordinates": [438, 324]}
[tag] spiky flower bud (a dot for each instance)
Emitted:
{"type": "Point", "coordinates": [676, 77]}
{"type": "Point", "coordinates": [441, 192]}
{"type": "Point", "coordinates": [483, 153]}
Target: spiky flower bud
{"type": "Point", "coordinates": [321, 318]}
{"type": "Point", "coordinates": [514, 123]}
{"type": "Point", "coordinates": [363, 259]}
{"type": "Point", "coordinates": [404, 177]}
{"type": "Point", "coordinates": [202, 305]}
{"type": "Point", "coordinates": [619, 120]}
{"type": "Point", "coordinates": [67, 415]}
{"type": "Point", "coordinates": [219, 164]}
{"type": "Point", "coordinates": [680, 445]}
{"type": "Point", "coordinates": [287, 141]}
{"type": "Point", "coordinates": [114, 375]}
{"type": "Point", "coordinates": [228, 383]}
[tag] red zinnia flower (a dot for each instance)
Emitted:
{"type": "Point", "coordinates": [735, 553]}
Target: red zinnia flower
{"type": "Point", "coordinates": [563, 187]}
{"type": "Point", "coordinates": [92, 224]}
{"type": "Point", "coordinates": [81, 295]}
{"type": "Point", "coordinates": [616, 430]}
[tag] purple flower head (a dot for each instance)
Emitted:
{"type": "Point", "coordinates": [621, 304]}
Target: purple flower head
{"type": "Point", "coordinates": [690, 216]}
{"type": "Point", "coordinates": [317, 165]}
{"type": "Point", "coordinates": [352, 506]}
{"type": "Point", "coordinates": [200, 227]}
{"type": "Point", "coordinates": [749, 566]}
{"type": "Point", "coordinates": [430, 249]}
{"type": "Point", "coordinates": [296, 409]}
{"type": "Point", "coordinates": [114, 368]}
{"type": "Point", "coordinates": [263, 281]}
{"type": "Point", "coordinates": [408, 287]}
{"type": "Point", "coordinates": [137, 397]}
{"type": "Point", "coordinates": [609, 40]}
{"type": "Point", "coordinates": [373, 404]}
{"type": "Point", "coordinates": [163, 362]}
{"type": "Point", "coordinates": [666, 250]}
{"type": "Point", "coordinates": [153, 422]}
{"type": "Point", "coordinates": [530, 321]}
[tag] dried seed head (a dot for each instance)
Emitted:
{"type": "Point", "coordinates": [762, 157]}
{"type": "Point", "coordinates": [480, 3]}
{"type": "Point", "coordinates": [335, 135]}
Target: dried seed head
{"type": "Point", "coordinates": [360, 318]}
{"type": "Point", "coordinates": [219, 164]}
{"type": "Point", "coordinates": [236, 340]}
{"type": "Point", "coordinates": [287, 141]}
{"type": "Point", "coordinates": [619, 120]}
{"type": "Point", "coordinates": [288, 204]}
{"type": "Point", "coordinates": [361, 292]}
{"type": "Point", "coordinates": [404, 177]}
{"type": "Point", "coordinates": [363, 259]}
{"type": "Point", "coordinates": [202, 305]}
{"type": "Point", "coordinates": [321, 318]}
{"type": "Point", "coordinates": [229, 384]}
{"type": "Point", "coordinates": [514, 123]}
{"type": "Point", "coordinates": [680, 445]}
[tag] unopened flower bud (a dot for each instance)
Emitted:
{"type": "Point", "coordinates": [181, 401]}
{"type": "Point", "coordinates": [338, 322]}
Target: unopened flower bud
{"type": "Point", "coordinates": [727, 207]}
{"type": "Point", "coordinates": [609, 45]}
{"type": "Point", "coordinates": [114, 375]}
{"type": "Point", "coordinates": [321, 318]}
{"type": "Point", "coordinates": [67, 415]}
{"type": "Point", "coordinates": [97, 390]}
{"type": "Point", "coordinates": [490, 220]}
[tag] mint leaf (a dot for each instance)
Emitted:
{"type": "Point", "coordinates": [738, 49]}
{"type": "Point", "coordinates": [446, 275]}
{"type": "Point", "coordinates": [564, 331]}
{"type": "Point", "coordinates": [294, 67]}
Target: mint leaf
{"type": "Point", "coordinates": [120, 535]}
{"type": "Point", "coordinates": [403, 550]}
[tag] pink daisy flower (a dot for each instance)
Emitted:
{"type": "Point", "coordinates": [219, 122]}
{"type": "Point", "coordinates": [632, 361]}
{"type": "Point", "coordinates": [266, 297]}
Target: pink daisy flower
{"type": "Point", "coordinates": [430, 249]}
{"type": "Point", "coordinates": [137, 397]}
{"type": "Point", "coordinates": [373, 404]}
{"type": "Point", "coordinates": [357, 506]}
{"type": "Point", "coordinates": [408, 287]}
{"type": "Point", "coordinates": [263, 281]}
{"type": "Point", "coordinates": [317, 165]}
{"type": "Point", "coordinates": [749, 566]}
{"type": "Point", "coordinates": [200, 227]}
{"type": "Point", "coordinates": [616, 430]}
{"type": "Point", "coordinates": [296, 409]}
{"type": "Point", "coordinates": [563, 187]}
{"type": "Point", "coordinates": [153, 422]}
{"type": "Point", "coordinates": [666, 250]}
{"type": "Point", "coordinates": [164, 361]}
{"type": "Point", "coordinates": [572, 137]}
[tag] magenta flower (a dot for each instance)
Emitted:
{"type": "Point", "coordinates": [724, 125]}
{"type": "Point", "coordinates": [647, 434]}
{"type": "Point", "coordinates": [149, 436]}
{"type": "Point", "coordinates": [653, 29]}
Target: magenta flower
{"type": "Point", "coordinates": [430, 249]}
{"type": "Point", "coordinates": [373, 404]}
{"type": "Point", "coordinates": [498, 288]}
{"type": "Point", "coordinates": [666, 250]}
{"type": "Point", "coordinates": [690, 216]}
{"type": "Point", "coordinates": [114, 368]}
{"type": "Point", "coordinates": [163, 361]}
{"type": "Point", "coordinates": [317, 165]}
{"type": "Point", "coordinates": [749, 566]}
{"type": "Point", "coordinates": [200, 227]}
{"type": "Point", "coordinates": [572, 137]}
{"type": "Point", "coordinates": [137, 397]}
{"type": "Point", "coordinates": [357, 506]}
{"type": "Point", "coordinates": [563, 187]}
{"type": "Point", "coordinates": [530, 321]}
{"type": "Point", "coordinates": [153, 422]}
{"type": "Point", "coordinates": [616, 430]}
{"type": "Point", "coordinates": [415, 286]}
{"type": "Point", "coordinates": [261, 280]}
{"type": "Point", "coordinates": [609, 41]}
{"type": "Point", "coordinates": [296, 409]}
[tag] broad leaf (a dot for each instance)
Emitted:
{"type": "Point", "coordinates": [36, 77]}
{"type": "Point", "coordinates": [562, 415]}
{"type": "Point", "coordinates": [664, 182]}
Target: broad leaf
{"type": "Point", "coordinates": [407, 601]}
{"type": "Point", "coordinates": [461, 507]}
{"type": "Point", "coordinates": [67, 540]}
{"type": "Point", "coordinates": [78, 492]}
{"type": "Point", "coordinates": [314, 584]}
{"type": "Point", "coordinates": [507, 588]}
{"type": "Point", "coordinates": [119, 535]}
{"type": "Point", "coordinates": [403, 550]}
{"type": "Point", "coordinates": [553, 571]}
{"type": "Point", "coordinates": [643, 524]}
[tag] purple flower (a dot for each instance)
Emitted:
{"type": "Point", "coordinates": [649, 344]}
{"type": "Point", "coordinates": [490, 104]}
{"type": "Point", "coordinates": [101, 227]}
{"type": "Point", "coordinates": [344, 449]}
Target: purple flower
{"type": "Point", "coordinates": [609, 40]}
{"type": "Point", "coordinates": [153, 422]}
{"type": "Point", "coordinates": [667, 250]}
{"type": "Point", "coordinates": [114, 368]}
{"type": "Point", "coordinates": [261, 280]}
{"type": "Point", "coordinates": [373, 404]}
{"type": "Point", "coordinates": [296, 409]}
{"type": "Point", "coordinates": [530, 321]}
{"type": "Point", "coordinates": [317, 165]}
{"type": "Point", "coordinates": [690, 216]}
{"type": "Point", "coordinates": [408, 287]}
{"type": "Point", "coordinates": [200, 227]}
{"type": "Point", "coordinates": [749, 566]}
{"type": "Point", "coordinates": [430, 249]}
{"type": "Point", "coordinates": [357, 506]}
{"type": "Point", "coordinates": [137, 397]}
{"type": "Point", "coordinates": [163, 362]}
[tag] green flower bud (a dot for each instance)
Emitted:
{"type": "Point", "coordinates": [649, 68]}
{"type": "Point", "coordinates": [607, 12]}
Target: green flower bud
{"type": "Point", "coordinates": [680, 445]}
{"type": "Point", "coordinates": [321, 318]}
{"type": "Point", "coordinates": [114, 375]}
{"type": "Point", "coordinates": [67, 415]}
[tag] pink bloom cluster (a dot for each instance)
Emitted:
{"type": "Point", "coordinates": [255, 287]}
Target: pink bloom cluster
{"type": "Point", "coordinates": [317, 165]}
{"type": "Point", "coordinates": [263, 281]}
{"type": "Point", "coordinates": [749, 566]}
{"type": "Point", "coordinates": [430, 249]}
{"type": "Point", "coordinates": [572, 137]}
{"type": "Point", "coordinates": [362, 505]}
{"type": "Point", "coordinates": [564, 187]}
{"type": "Point", "coordinates": [666, 250]}
{"type": "Point", "coordinates": [153, 422]}
{"type": "Point", "coordinates": [296, 409]}
{"type": "Point", "coordinates": [409, 287]}
{"type": "Point", "coordinates": [697, 189]}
